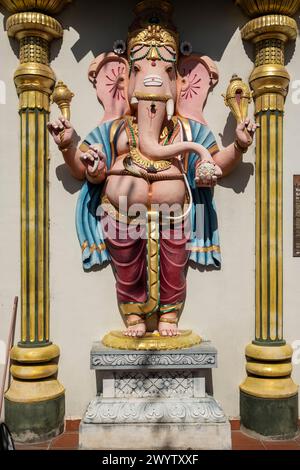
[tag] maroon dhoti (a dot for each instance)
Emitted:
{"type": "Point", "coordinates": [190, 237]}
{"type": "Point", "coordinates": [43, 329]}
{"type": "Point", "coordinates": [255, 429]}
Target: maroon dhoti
{"type": "Point", "coordinates": [127, 246]}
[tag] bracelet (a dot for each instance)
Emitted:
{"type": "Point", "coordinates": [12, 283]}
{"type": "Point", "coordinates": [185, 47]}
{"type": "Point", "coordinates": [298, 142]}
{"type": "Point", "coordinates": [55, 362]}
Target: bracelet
{"type": "Point", "coordinates": [239, 148]}
{"type": "Point", "coordinates": [87, 174]}
{"type": "Point", "coordinates": [65, 149]}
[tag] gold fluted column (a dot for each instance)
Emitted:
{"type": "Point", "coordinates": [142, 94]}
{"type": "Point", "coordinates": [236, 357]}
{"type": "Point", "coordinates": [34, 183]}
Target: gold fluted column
{"type": "Point", "coordinates": [34, 402]}
{"type": "Point", "coordinates": [268, 396]}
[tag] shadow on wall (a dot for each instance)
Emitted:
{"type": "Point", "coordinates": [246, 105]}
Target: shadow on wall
{"type": "Point", "coordinates": [209, 28]}
{"type": "Point", "coordinates": [70, 184]}
{"type": "Point", "coordinates": [238, 180]}
{"type": "Point", "coordinates": [98, 24]}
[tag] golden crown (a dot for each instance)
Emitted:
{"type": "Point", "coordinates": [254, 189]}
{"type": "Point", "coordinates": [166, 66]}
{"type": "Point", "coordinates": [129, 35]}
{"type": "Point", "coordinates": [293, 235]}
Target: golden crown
{"type": "Point", "coordinates": [153, 27]}
{"type": "Point", "coordinates": [153, 35]}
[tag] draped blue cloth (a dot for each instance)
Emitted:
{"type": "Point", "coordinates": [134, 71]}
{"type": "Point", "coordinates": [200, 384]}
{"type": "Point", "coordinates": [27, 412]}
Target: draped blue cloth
{"type": "Point", "coordinates": [204, 243]}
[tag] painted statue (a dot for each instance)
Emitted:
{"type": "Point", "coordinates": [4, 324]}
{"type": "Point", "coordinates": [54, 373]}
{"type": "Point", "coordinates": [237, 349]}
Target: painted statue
{"type": "Point", "coordinates": [154, 151]}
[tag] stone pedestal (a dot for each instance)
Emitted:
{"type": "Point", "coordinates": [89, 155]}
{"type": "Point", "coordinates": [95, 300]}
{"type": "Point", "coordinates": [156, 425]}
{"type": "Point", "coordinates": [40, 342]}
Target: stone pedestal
{"type": "Point", "coordinates": [154, 400]}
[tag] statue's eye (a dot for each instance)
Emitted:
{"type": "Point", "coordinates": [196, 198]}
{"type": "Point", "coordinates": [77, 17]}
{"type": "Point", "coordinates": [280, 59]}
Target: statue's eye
{"type": "Point", "coordinates": [136, 68]}
{"type": "Point", "coordinates": [169, 69]}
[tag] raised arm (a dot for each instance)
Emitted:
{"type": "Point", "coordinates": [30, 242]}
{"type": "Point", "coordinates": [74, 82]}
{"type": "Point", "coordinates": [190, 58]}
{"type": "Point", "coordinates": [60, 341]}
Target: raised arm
{"type": "Point", "coordinates": [228, 158]}
{"type": "Point", "coordinates": [89, 165]}
{"type": "Point", "coordinates": [66, 138]}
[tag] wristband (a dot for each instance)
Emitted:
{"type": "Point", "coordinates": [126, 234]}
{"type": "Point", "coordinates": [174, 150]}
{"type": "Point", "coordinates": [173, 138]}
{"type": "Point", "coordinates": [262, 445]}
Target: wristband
{"type": "Point", "coordinates": [239, 148]}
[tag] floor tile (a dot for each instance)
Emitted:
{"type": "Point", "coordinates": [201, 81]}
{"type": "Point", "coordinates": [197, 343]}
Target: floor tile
{"type": "Point", "coordinates": [67, 440]}
{"type": "Point", "coordinates": [281, 445]}
{"type": "Point", "coordinates": [235, 424]}
{"type": "Point", "coordinates": [72, 425]}
{"type": "Point", "coordinates": [242, 442]}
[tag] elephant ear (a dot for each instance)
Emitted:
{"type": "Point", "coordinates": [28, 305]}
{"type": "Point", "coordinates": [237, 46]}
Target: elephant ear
{"type": "Point", "coordinates": [109, 75]}
{"type": "Point", "coordinates": [198, 76]}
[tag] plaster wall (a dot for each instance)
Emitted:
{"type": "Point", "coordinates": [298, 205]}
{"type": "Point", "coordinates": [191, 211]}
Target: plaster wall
{"type": "Point", "coordinates": [220, 304]}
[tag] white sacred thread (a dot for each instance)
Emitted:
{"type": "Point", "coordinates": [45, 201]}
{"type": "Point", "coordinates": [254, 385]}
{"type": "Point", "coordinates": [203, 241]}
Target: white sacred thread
{"type": "Point", "coordinates": [296, 353]}
{"type": "Point", "coordinates": [296, 92]}
{"type": "Point", "coordinates": [2, 92]}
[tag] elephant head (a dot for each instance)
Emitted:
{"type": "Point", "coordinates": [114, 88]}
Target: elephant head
{"type": "Point", "coordinates": [187, 87]}
{"type": "Point", "coordinates": [153, 89]}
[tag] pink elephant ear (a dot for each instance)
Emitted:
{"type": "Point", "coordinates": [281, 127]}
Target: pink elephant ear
{"type": "Point", "coordinates": [198, 76]}
{"type": "Point", "coordinates": [109, 75]}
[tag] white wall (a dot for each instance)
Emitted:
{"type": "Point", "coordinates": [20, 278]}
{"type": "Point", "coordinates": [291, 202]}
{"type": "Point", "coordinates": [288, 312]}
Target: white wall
{"type": "Point", "coordinates": [9, 191]}
{"type": "Point", "coordinates": [220, 305]}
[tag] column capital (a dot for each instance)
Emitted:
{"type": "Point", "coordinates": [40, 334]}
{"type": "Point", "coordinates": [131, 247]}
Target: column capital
{"type": "Point", "coordinates": [25, 24]}
{"type": "Point", "coordinates": [279, 27]}
{"type": "Point", "coordinates": [254, 8]}
{"type": "Point", "coordinates": [51, 7]}
{"type": "Point", "coordinates": [269, 33]}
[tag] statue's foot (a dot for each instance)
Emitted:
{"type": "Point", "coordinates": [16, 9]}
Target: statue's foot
{"type": "Point", "coordinates": [167, 325]}
{"type": "Point", "coordinates": [136, 326]}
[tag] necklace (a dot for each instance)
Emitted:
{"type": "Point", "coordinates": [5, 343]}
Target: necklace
{"type": "Point", "coordinates": [151, 166]}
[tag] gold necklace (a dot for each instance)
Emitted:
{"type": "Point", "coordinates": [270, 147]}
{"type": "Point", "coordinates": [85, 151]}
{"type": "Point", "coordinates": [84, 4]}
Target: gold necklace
{"type": "Point", "coordinates": [151, 166]}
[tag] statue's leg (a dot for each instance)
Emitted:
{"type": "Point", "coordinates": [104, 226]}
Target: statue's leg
{"type": "Point", "coordinates": [174, 258]}
{"type": "Point", "coordinates": [128, 259]}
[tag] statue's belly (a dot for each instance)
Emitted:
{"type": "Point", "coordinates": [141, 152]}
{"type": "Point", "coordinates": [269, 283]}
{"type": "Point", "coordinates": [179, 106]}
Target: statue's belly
{"type": "Point", "coordinates": [137, 190]}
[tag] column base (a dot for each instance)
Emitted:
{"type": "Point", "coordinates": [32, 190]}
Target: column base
{"type": "Point", "coordinates": [35, 400]}
{"type": "Point", "coordinates": [275, 418]}
{"type": "Point", "coordinates": [36, 421]}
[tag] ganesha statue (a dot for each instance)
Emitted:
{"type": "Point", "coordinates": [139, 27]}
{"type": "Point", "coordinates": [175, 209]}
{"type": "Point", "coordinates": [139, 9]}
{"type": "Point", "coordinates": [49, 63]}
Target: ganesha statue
{"type": "Point", "coordinates": [150, 167]}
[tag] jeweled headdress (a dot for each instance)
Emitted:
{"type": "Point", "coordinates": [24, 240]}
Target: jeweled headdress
{"type": "Point", "coordinates": [154, 29]}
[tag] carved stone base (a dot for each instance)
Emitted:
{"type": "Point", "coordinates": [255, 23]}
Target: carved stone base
{"type": "Point", "coordinates": [154, 400]}
{"type": "Point", "coordinates": [163, 410]}
{"type": "Point", "coordinates": [159, 436]}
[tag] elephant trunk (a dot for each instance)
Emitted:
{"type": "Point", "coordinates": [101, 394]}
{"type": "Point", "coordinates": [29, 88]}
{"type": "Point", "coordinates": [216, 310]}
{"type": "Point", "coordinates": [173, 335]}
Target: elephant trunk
{"type": "Point", "coordinates": [150, 130]}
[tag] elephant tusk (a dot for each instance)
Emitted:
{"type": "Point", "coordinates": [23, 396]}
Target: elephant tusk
{"type": "Point", "coordinates": [170, 108]}
{"type": "Point", "coordinates": [134, 101]}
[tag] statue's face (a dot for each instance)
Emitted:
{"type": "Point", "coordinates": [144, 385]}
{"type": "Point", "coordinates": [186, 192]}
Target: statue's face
{"type": "Point", "coordinates": [153, 74]}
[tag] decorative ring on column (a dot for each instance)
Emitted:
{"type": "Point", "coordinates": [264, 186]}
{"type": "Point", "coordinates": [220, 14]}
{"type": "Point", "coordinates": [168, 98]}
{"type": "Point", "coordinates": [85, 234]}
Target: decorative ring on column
{"type": "Point", "coordinates": [262, 7]}
{"type": "Point", "coordinates": [280, 26]}
{"type": "Point", "coordinates": [54, 6]}
{"type": "Point", "coordinates": [21, 25]}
